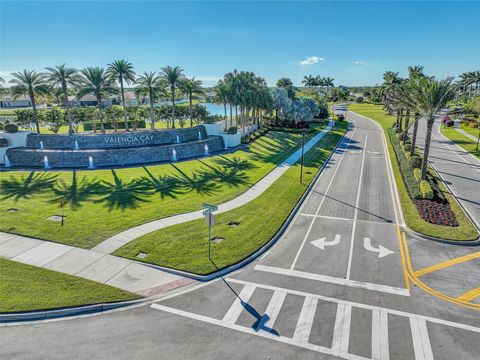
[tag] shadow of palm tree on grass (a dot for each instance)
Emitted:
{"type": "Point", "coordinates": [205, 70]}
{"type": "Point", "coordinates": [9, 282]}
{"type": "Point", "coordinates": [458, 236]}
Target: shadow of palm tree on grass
{"type": "Point", "coordinates": [165, 185]}
{"type": "Point", "coordinates": [200, 182]}
{"type": "Point", "coordinates": [26, 187]}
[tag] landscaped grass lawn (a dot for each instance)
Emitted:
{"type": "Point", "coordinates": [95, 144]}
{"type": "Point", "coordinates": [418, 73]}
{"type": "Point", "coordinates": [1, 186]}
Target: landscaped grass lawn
{"type": "Point", "coordinates": [185, 246]}
{"type": "Point", "coordinates": [461, 140]}
{"type": "Point", "coordinates": [26, 288]}
{"type": "Point", "coordinates": [472, 131]}
{"type": "Point", "coordinates": [101, 203]}
{"type": "Point", "coordinates": [465, 230]}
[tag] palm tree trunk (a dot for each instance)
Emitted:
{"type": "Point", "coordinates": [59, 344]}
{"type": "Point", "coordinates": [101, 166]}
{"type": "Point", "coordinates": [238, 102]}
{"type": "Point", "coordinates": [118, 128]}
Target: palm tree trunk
{"type": "Point", "coordinates": [67, 108]}
{"type": "Point", "coordinates": [152, 111]}
{"type": "Point", "coordinates": [236, 116]}
{"type": "Point", "coordinates": [173, 107]}
{"type": "Point", "coordinates": [426, 150]}
{"type": "Point", "coordinates": [407, 120]}
{"type": "Point", "coordinates": [123, 104]}
{"type": "Point", "coordinates": [35, 115]}
{"type": "Point", "coordinates": [226, 117]}
{"type": "Point", "coordinates": [99, 114]}
{"type": "Point", "coordinates": [231, 116]}
{"type": "Point", "coordinates": [191, 110]}
{"type": "Point", "coordinates": [414, 134]}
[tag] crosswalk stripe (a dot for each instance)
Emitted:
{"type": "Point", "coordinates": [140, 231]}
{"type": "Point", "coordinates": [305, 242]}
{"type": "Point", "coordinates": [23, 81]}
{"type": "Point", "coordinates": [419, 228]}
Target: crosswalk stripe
{"type": "Point", "coordinates": [380, 348]}
{"type": "Point", "coordinates": [305, 321]}
{"type": "Point", "coordinates": [274, 306]}
{"type": "Point", "coordinates": [236, 309]}
{"type": "Point", "coordinates": [341, 331]}
{"type": "Point", "coordinates": [421, 340]}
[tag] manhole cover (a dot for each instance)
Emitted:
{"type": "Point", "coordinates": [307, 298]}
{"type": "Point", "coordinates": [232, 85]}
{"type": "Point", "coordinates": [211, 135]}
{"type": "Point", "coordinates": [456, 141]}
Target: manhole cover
{"type": "Point", "coordinates": [233, 223]}
{"type": "Point", "coordinates": [141, 255]}
{"type": "Point", "coordinates": [56, 218]}
{"type": "Point", "coordinates": [217, 240]}
{"type": "Point", "coordinates": [12, 210]}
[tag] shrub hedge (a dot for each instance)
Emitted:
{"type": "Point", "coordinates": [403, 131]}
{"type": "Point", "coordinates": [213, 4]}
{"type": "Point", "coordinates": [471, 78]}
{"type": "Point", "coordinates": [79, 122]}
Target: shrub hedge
{"type": "Point", "coordinates": [3, 142]}
{"type": "Point", "coordinates": [417, 174]}
{"type": "Point", "coordinates": [120, 125]}
{"type": "Point", "coordinates": [11, 128]}
{"type": "Point", "coordinates": [415, 162]}
{"type": "Point", "coordinates": [426, 189]}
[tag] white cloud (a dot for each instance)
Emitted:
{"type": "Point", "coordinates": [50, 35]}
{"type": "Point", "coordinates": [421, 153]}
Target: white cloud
{"type": "Point", "coordinates": [6, 75]}
{"type": "Point", "coordinates": [362, 63]}
{"type": "Point", "coordinates": [310, 60]}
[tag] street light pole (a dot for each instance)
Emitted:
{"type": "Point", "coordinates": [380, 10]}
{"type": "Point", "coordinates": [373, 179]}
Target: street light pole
{"type": "Point", "coordinates": [303, 147]}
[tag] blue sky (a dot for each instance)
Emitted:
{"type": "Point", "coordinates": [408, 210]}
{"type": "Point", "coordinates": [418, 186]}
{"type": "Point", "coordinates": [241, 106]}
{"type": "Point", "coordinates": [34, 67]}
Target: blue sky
{"type": "Point", "coordinates": [353, 42]}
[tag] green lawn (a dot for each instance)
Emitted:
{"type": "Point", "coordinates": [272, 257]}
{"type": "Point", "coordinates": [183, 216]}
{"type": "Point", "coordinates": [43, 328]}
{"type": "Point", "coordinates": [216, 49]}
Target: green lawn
{"type": "Point", "coordinates": [26, 288]}
{"type": "Point", "coordinates": [464, 232]}
{"type": "Point", "coordinates": [101, 203]}
{"type": "Point", "coordinates": [461, 140]}
{"type": "Point", "coordinates": [472, 131]}
{"type": "Point", "coordinates": [185, 246]}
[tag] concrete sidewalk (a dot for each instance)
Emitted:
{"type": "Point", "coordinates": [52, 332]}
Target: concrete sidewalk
{"type": "Point", "coordinates": [115, 242]}
{"type": "Point", "coordinates": [106, 269]}
{"type": "Point", "coordinates": [464, 133]}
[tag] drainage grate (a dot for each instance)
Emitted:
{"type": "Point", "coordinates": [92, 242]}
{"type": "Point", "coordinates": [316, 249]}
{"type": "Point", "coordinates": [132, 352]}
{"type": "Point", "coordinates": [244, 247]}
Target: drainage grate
{"type": "Point", "coordinates": [12, 210]}
{"type": "Point", "coordinates": [141, 255]}
{"type": "Point", "coordinates": [217, 239]}
{"type": "Point", "coordinates": [308, 172]}
{"type": "Point", "coordinates": [233, 223]}
{"type": "Point", "coordinates": [56, 218]}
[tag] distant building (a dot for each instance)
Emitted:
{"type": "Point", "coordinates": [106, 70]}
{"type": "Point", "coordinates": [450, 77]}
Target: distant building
{"type": "Point", "coordinates": [6, 101]}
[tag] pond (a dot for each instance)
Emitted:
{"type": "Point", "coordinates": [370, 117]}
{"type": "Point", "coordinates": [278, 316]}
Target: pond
{"type": "Point", "coordinates": [214, 109]}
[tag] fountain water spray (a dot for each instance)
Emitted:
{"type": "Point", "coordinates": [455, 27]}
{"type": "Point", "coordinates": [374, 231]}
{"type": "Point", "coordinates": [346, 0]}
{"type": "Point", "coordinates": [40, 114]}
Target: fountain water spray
{"type": "Point", "coordinates": [46, 165]}
{"type": "Point", "coordinates": [206, 150]}
{"type": "Point", "coordinates": [174, 155]}
{"type": "Point", "coordinates": [178, 139]}
{"type": "Point", "coordinates": [90, 163]}
{"type": "Point", "coordinates": [41, 145]}
{"type": "Point", "coordinates": [199, 135]}
{"type": "Point", "coordinates": [76, 145]}
{"type": "Point", "coordinates": [7, 161]}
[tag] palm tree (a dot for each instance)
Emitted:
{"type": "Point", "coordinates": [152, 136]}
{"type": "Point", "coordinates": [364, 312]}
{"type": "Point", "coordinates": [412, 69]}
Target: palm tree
{"type": "Point", "coordinates": [221, 98]}
{"type": "Point", "coordinates": [97, 82]}
{"type": "Point", "coordinates": [415, 71]}
{"type": "Point", "coordinates": [287, 84]}
{"type": "Point", "coordinates": [191, 87]}
{"type": "Point", "coordinates": [152, 85]}
{"type": "Point", "coordinates": [309, 81]}
{"type": "Point", "coordinates": [426, 96]}
{"type": "Point", "coordinates": [173, 76]}
{"type": "Point", "coordinates": [33, 84]}
{"type": "Point", "coordinates": [328, 82]}
{"type": "Point", "coordinates": [62, 77]}
{"type": "Point", "coordinates": [122, 71]}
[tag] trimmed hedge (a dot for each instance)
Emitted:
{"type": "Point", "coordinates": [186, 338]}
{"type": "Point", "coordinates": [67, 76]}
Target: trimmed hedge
{"type": "Point", "coordinates": [426, 189]}
{"type": "Point", "coordinates": [3, 142]}
{"type": "Point", "coordinates": [417, 174]}
{"type": "Point", "coordinates": [11, 128]}
{"type": "Point", "coordinates": [415, 162]}
{"type": "Point", "coordinates": [120, 125]}
{"type": "Point", "coordinates": [232, 130]}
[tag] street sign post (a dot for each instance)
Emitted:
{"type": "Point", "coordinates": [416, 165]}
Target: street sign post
{"type": "Point", "coordinates": [210, 221]}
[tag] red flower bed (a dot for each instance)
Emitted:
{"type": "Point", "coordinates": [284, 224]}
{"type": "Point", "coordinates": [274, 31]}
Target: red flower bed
{"type": "Point", "coordinates": [436, 212]}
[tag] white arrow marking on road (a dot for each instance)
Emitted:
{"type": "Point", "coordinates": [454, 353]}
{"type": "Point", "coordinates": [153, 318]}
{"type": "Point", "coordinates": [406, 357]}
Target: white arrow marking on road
{"type": "Point", "coordinates": [322, 242]}
{"type": "Point", "coordinates": [382, 251]}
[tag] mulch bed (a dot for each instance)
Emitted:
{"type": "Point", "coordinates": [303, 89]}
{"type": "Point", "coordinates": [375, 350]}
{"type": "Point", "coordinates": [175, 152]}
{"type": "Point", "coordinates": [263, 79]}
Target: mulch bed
{"type": "Point", "coordinates": [436, 212]}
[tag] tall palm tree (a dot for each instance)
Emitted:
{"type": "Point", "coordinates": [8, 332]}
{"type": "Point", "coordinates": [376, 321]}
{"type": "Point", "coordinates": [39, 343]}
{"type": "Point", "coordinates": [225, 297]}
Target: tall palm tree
{"type": "Point", "coordinates": [426, 96]}
{"type": "Point", "coordinates": [287, 84]}
{"type": "Point", "coordinates": [173, 76]}
{"type": "Point", "coordinates": [415, 71]}
{"type": "Point", "coordinates": [221, 98]}
{"type": "Point", "coordinates": [122, 71]}
{"type": "Point", "coordinates": [153, 86]}
{"type": "Point", "coordinates": [190, 88]}
{"type": "Point", "coordinates": [33, 84]}
{"type": "Point", "coordinates": [97, 82]}
{"type": "Point", "coordinates": [328, 82]}
{"type": "Point", "coordinates": [62, 77]}
{"type": "Point", "coordinates": [309, 81]}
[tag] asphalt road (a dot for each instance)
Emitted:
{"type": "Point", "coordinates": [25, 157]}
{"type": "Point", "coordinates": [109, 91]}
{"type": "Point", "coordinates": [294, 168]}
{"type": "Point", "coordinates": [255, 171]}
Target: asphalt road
{"type": "Point", "coordinates": [459, 169]}
{"type": "Point", "coordinates": [333, 287]}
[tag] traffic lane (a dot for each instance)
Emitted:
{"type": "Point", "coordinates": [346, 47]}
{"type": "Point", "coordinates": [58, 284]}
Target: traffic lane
{"type": "Point", "coordinates": [141, 333]}
{"type": "Point", "coordinates": [325, 249]}
{"type": "Point", "coordinates": [376, 256]}
{"type": "Point", "coordinates": [452, 343]}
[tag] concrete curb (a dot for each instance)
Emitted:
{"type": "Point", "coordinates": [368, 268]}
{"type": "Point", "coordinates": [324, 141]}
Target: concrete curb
{"type": "Point", "coordinates": [66, 312]}
{"type": "Point", "coordinates": [265, 247]}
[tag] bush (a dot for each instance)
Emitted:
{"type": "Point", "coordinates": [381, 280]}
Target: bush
{"type": "Point", "coordinates": [415, 162]}
{"type": "Point", "coordinates": [120, 125]}
{"type": "Point", "coordinates": [3, 142]}
{"type": "Point", "coordinates": [359, 99]}
{"type": "Point", "coordinates": [426, 189]}
{"type": "Point", "coordinates": [407, 154]}
{"type": "Point", "coordinates": [473, 124]}
{"type": "Point", "coordinates": [340, 117]}
{"type": "Point", "coordinates": [407, 147]}
{"type": "Point", "coordinates": [11, 128]}
{"type": "Point", "coordinates": [417, 173]}
{"type": "Point", "coordinates": [232, 130]}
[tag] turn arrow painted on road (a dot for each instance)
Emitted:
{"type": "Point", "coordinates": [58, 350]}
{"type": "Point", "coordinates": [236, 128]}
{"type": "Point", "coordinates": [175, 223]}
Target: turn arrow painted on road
{"type": "Point", "coordinates": [381, 250]}
{"type": "Point", "coordinates": [322, 242]}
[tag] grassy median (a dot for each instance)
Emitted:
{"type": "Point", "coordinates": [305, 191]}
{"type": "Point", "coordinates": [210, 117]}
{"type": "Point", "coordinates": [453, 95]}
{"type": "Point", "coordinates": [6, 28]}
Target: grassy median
{"type": "Point", "coordinates": [101, 203]}
{"type": "Point", "coordinates": [461, 140]}
{"type": "Point", "coordinates": [243, 230]}
{"type": "Point", "coordinates": [464, 232]}
{"type": "Point", "coordinates": [27, 288]}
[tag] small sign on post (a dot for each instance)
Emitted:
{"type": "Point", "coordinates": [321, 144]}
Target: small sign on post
{"type": "Point", "coordinates": [210, 220]}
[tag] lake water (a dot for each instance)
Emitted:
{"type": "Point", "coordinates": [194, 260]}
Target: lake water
{"type": "Point", "coordinates": [215, 109]}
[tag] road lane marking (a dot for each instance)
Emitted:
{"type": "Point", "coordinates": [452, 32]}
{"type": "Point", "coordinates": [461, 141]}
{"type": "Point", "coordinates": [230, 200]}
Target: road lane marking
{"type": "Point", "coordinates": [355, 216]}
{"type": "Point", "coordinates": [381, 250]}
{"type": "Point", "coordinates": [322, 201]}
{"type": "Point", "coordinates": [380, 346]}
{"type": "Point", "coordinates": [428, 289]}
{"type": "Point", "coordinates": [359, 305]}
{"type": "Point", "coordinates": [237, 307]}
{"type": "Point", "coordinates": [402, 253]}
{"type": "Point", "coordinates": [447, 263]}
{"type": "Point", "coordinates": [421, 340]}
{"type": "Point", "coordinates": [470, 295]}
{"type": "Point", "coordinates": [305, 321]}
{"type": "Point", "coordinates": [341, 330]}
{"type": "Point", "coordinates": [334, 280]}
{"type": "Point", "coordinates": [274, 306]}
{"type": "Point", "coordinates": [322, 242]}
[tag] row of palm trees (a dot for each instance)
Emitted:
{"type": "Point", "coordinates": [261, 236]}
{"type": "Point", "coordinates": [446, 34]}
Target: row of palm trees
{"type": "Point", "coordinates": [421, 96]}
{"type": "Point", "coordinates": [317, 81]}
{"type": "Point", "coordinates": [102, 83]}
{"type": "Point", "coordinates": [470, 82]}
{"type": "Point", "coordinates": [245, 93]}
